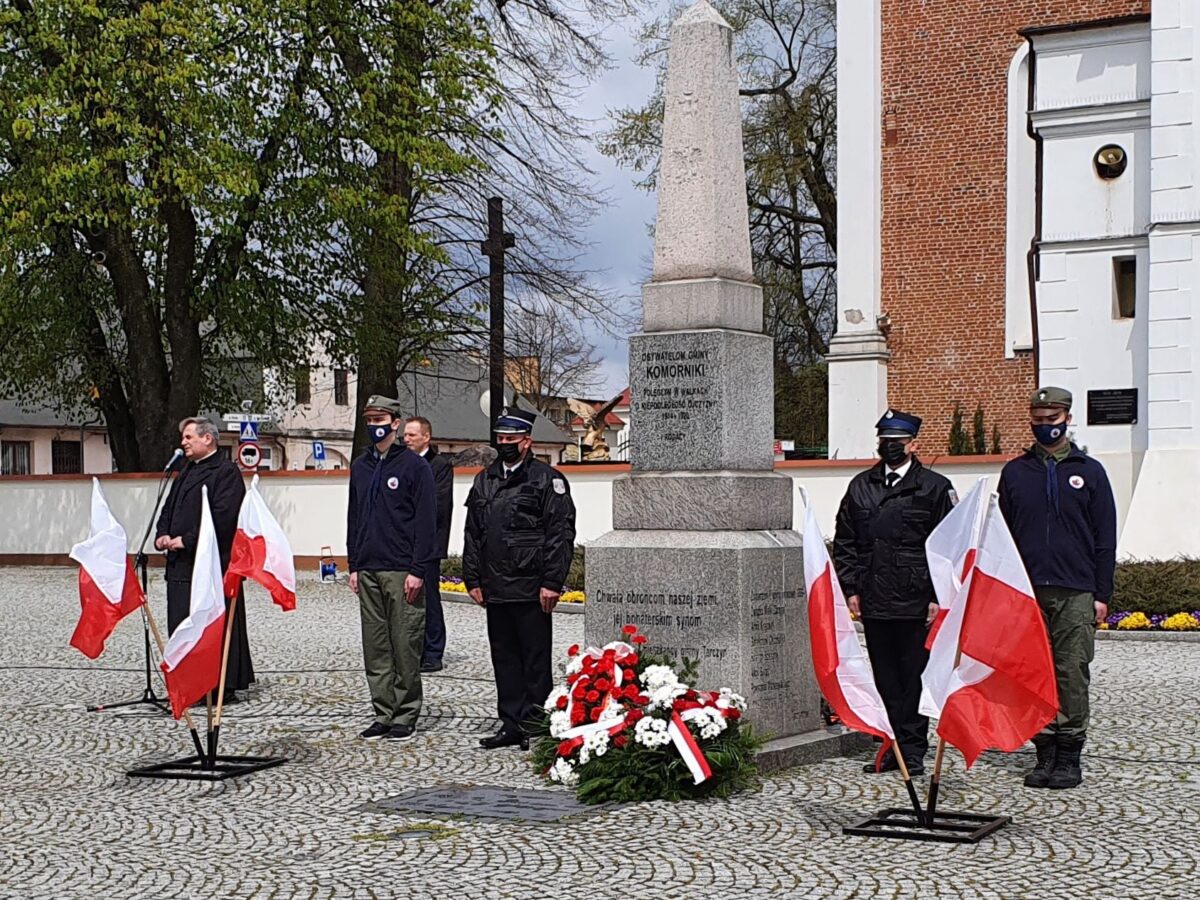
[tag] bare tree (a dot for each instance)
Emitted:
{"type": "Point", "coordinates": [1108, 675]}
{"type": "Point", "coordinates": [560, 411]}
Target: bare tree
{"type": "Point", "coordinates": [557, 359]}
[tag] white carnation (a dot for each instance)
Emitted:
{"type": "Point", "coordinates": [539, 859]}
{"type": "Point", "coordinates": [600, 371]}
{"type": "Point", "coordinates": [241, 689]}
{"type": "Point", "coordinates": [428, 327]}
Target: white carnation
{"type": "Point", "coordinates": [563, 772]}
{"type": "Point", "coordinates": [655, 677]}
{"type": "Point", "coordinates": [729, 700]}
{"type": "Point", "coordinates": [560, 723]}
{"type": "Point", "coordinates": [650, 732]}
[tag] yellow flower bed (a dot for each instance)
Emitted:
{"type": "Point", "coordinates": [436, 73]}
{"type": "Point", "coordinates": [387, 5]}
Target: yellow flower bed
{"type": "Point", "coordinates": [1181, 622]}
{"type": "Point", "coordinates": [572, 597]}
{"type": "Point", "coordinates": [455, 586]}
{"type": "Point", "coordinates": [1137, 621]}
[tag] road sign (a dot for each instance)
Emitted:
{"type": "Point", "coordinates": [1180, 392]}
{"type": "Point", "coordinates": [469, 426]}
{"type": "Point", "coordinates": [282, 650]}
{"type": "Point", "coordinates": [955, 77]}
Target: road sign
{"type": "Point", "coordinates": [249, 456]}
{"type": "Point", "coordinates": [245, 417]}
{"type": "Point", "coordinates": [248, 433]}
{"type": "Point", "coordinates": [319, 451]}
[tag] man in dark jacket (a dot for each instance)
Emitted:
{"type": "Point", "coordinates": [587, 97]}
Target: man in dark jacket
{"type": "Point", "coordinates": [1059, 506]}
{"type": "Point", "coordinates": [179, 529]}
{"type": "Point", "coordinates": [418, 433]}
{"type": "Point", "coordinates": [879, 552]}
{"type": "Point", "coordinates": [391, 525]}
{"type": "Point", "coordinates": [519, 536]}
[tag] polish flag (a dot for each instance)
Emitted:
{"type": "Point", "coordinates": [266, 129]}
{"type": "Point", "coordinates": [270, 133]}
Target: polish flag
{"type": "Point", "coordinates": [192, 658]}
{"type": "Point", "coordinates": [843, 672]}
{"type": "Point", "coordinates": [990, 676]}
{"type": "Point", "coordinates": [950, 552]}
{"type": "Point", "coordinates": [108, 589]}
{"type": "Point", "coordinates": [261, 552]}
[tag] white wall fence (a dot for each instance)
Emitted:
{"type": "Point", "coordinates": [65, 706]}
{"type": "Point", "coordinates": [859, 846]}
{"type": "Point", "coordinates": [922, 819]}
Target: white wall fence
{"type": "Point", "coordinates": [43, 516]}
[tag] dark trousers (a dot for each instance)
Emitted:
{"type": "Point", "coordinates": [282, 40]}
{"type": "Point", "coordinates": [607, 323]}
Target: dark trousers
{"type": "Point", "coordinates": [898, 657]}
{"type": "Point", "coordinates": [435, 619]}
{"type": "Point", "coordinates": [520, 635]}
{"type": "Point", "coordinates": [239, 673]}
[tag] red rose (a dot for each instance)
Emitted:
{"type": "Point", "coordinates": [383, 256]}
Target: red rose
{"type": "Point", "coordinates": [565, 748]}
{"type": "Point", "coordinates": [634, 715]}
{"type": "Point", "coordinates": [640, 639]}
{"type": "Point", "coordinates": [603, 684]}
{"type": "Point", "coordinates": [610, 654]}
{"type": "Point", "coordinates": [595, 716]}
{"type": "Point", "coordinates": [577, 715]}
{"type": "Point", "coordinates": [562, 703]}
{"type": "Point", "coordinates": [733, 713]}
{"type": "Point", "coordinates": [631, 660]}
{"type": "Point", "coordinates": [591, 696]}
{"type": "Point", "coordinates": [620, 741]}
{"type": "Point", "coordinates": [630, 629]}
{"type": "Point", "coordinates": [573, 650]}
{"type": "Point", "coordinates": [641, 700]}
{"type": "Point", "coordinates": [579, 690]}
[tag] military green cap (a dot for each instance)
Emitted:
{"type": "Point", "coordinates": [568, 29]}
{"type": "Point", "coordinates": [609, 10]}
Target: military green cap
{"type": "Point", "coordinates": [387, 404]}
{"type": "Point", "coordinates": [1050, 396]}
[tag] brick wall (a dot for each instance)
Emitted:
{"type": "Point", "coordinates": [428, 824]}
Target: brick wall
{"type": "Point", "coordinates": [945, 70]}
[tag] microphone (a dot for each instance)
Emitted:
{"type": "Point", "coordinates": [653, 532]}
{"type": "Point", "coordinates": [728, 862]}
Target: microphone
{"type": "Point", "coordinates": [174, 459]}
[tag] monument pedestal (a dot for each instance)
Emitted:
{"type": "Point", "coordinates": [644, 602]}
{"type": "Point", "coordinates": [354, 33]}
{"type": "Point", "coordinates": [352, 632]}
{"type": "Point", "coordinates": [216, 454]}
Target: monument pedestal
{"type": "Point", "coordinates": [732, 600]}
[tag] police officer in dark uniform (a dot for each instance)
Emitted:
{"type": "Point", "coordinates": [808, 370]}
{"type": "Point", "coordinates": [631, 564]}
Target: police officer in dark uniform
{"type": "Point", "coordinates": [879, 553]}
{"type": "Point", "coordinates": [519, 536]}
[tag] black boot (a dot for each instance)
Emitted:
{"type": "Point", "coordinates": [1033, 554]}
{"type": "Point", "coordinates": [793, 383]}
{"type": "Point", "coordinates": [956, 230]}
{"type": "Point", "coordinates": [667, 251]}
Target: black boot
{"type": "Point", "coordinates": [1047, 747]}
{"type": "Point", "coordinates": [1066, 772]}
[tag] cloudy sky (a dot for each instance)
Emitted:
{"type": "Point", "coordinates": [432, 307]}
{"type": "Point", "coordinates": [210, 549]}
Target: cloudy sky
{"type": "Point", "coordinates": [621, 246]}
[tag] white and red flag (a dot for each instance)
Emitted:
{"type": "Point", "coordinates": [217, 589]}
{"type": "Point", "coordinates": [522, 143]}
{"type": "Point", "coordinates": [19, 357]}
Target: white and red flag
{"type": "Point", "coordinates": [990, 677]}
{"type": "Point", "coordinates": [108, 588]}
{"type": "Point", "coordinates": [843, 673]}
{"type": "Point", "coordinates": [261, 552]}
{"type": "Point", "coordinates": [192, 657]}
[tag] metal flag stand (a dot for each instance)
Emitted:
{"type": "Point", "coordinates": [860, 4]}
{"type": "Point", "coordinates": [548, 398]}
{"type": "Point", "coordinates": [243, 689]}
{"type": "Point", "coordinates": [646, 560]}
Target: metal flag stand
{"type": "Point", "coordinates": [207, 764]}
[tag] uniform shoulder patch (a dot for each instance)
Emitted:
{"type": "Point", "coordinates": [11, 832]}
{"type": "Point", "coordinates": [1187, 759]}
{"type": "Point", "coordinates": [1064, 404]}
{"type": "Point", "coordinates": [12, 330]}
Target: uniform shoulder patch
{"type": "Point", "coordinates": [953, 497]}
{"type": "Point", "coordinates": [560, 486]}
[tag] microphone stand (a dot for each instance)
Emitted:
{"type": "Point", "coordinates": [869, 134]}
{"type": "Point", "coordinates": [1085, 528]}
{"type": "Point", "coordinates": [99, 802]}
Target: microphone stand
{"type": "Point", "coordinates": [141, 561]}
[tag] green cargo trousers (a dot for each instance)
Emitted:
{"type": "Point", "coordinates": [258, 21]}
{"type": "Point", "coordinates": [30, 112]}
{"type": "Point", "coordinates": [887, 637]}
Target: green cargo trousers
{"type": "Point", "coordinates": [393, 635]}
{"type": "Point", "coordinates": [1070, 618]}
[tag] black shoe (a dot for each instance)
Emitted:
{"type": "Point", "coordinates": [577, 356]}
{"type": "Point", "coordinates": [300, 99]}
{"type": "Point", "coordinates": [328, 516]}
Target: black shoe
{"type": "Point", "coordinates": [1047, 751]}
{"type": "Point", "coordinates": [503, 738]}
{"type": "Point", "coordinates": [376, 731]}
{"type": "Point", "coordinates": [431, 665]}
{"type": "Point", "coordinates": [400, 733]}
{"type": "Point", "coordinates": [889, 765]}
{"type": "Point", "coordinates": [1067, 771]}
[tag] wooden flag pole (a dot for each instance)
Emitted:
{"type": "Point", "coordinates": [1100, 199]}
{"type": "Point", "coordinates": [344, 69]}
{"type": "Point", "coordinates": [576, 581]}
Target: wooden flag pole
{"type": "Point", "coordinates": [908, 785]}
{"type": "Point", "coordinates": [187, 716]}
{"type": "Point", "coordinates": [215, 730]}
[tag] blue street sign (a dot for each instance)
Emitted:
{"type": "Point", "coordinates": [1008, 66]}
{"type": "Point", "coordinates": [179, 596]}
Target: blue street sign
{"type": "Point", "coordinates": [319, 451]}
{"type": "Point", "coordinates": [248, 433]}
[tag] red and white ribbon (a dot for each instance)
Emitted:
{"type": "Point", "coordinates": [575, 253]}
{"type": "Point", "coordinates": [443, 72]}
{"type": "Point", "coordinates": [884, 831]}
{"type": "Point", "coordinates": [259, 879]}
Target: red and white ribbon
{"type": "Point", "coordinates": [693, 756]}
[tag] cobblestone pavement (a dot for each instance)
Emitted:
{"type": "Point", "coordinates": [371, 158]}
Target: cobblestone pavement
{"type": "Point", "coordinates": [72, 825]}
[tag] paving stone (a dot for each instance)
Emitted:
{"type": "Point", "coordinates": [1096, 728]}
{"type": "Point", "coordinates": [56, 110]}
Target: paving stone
{"type": "Point", "coordinates": [72, 825]}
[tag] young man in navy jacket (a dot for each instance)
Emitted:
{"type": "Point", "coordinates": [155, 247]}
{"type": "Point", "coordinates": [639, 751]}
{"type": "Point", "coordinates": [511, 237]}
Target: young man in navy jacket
{"type": "Point", "coordinates": [1059, 506]}
{"type": "Point", "coordinates": [391, 532]}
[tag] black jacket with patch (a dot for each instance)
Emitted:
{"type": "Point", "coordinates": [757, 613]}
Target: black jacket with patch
{"type": "Point", "coordinates": [520, 532]}
{"type": "Point", "coordinates": [879, 543]}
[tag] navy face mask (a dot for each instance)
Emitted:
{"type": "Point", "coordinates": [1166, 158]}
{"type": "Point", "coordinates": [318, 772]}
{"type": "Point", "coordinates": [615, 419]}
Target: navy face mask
{"type": "Point", "coordinates": [378, 433]}
{"type": "Point", "coordinates": [1049, 435]}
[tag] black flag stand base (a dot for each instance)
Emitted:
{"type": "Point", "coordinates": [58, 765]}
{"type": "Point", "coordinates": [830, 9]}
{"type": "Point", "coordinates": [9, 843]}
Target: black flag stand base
{"type": "Point", "coordinates": [203, 768]}
{"type": "Point", "coordinates": [943, 827]}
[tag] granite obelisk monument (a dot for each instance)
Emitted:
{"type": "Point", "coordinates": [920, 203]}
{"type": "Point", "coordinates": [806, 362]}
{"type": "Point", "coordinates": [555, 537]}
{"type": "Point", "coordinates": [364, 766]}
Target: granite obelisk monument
{"type": "Point", "coordinates": [703, 557]}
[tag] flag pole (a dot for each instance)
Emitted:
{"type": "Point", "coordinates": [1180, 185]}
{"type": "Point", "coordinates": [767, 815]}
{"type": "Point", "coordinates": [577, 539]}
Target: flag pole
{"type": "Point", "coordinates": [187, 716]}
{"type": "Point", "coordinates": [935, 780]}
{"type": "Point", "coordinates": [215, 732]}
{"type": "Point", "coordinates": [908, 784]}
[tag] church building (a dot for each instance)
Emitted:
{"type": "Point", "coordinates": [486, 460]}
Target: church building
{"type": "Point", "coordinates": [1019, 205]}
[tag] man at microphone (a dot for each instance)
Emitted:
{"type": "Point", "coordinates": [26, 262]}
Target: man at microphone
{"type": "Point", "coordinates": [179, 529]}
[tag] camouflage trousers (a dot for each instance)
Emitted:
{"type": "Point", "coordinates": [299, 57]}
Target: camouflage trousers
{"type": "Point", "coordinates": [1070, 618]}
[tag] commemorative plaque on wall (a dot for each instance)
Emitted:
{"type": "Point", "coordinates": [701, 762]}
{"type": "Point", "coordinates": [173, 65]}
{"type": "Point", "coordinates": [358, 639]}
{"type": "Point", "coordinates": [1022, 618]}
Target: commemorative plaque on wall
{"type": "Point", "coordinates": [1116, 406]}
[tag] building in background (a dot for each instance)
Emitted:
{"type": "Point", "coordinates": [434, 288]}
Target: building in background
{"type": "Point", "coordinates": [1019, 193]}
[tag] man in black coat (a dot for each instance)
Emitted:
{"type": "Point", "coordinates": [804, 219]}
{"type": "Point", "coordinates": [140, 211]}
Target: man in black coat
{"type": "Point", "coordinates": [179, 529]}
{"type": "Point", "coordinates": [418, 433]}
{"type": "Point", "coordinates": [518, 541]}
{"type": "Point", "coordinates": [879, 553]}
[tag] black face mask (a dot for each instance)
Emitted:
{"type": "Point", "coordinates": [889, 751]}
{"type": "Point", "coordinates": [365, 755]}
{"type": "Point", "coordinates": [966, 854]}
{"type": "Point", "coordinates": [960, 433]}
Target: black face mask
{"type": "Point", "coordinates": [893, 453]}
{"type": "Point", "coordinates": [509, 453]}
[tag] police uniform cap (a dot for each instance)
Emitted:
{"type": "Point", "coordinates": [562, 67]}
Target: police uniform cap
{"type": "Point", "coordinates": [1050, 397]}
{"type": "Point", "coordinates": [386, 404]}
{"type": "Point", "coordinates": [514, 421]}
{"type": "Point", "coordinates": [898, 424]}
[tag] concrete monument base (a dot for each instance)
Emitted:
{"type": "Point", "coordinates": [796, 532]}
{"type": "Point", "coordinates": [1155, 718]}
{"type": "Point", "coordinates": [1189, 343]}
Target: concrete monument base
{"type": "Point", "coordinates": [733, 600]}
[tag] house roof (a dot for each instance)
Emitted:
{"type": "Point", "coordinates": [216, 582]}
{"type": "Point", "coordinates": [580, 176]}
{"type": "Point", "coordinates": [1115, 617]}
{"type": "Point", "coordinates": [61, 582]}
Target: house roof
{"type": "Point", "coordinates": [40, 417]}
{"type": "Point", "coordinates": [612, 418]}
{"type": "Point", "coordinates": [447, 393]}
